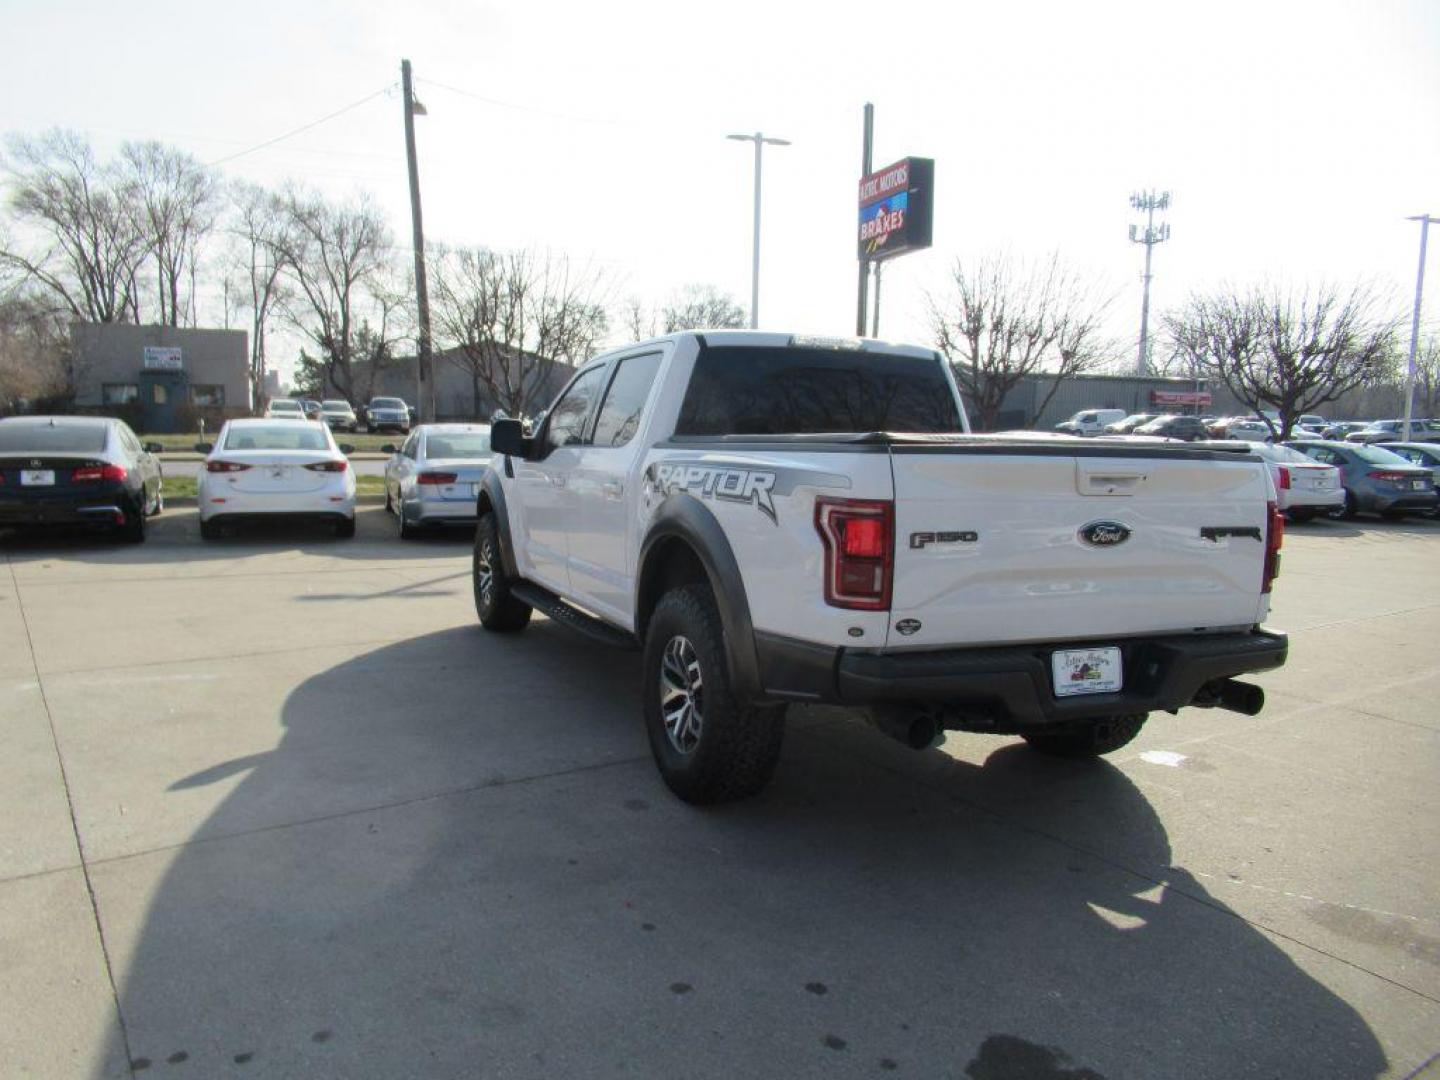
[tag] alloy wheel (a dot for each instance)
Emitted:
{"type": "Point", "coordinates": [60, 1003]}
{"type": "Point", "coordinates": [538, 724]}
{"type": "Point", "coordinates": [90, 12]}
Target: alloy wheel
{"type": "Point", "coordinates": [681, 690]}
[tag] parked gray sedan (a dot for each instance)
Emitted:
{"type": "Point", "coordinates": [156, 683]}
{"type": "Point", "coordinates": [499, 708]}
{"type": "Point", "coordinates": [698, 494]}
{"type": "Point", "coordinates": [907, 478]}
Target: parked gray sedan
{"type": "Point", "coordinates": [1376, 481]}
{"type": "Point", "coordinates": [433, 478]}
{"type": "Point", "coordinates": [1426, 455]}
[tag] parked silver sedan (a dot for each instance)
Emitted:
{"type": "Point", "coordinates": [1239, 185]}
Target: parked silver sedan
{"type": "Point", "coordinates": [433, 478]}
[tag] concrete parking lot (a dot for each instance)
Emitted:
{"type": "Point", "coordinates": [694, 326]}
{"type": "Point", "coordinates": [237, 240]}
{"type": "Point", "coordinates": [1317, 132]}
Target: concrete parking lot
{"type": "Point", "coordinates": [276, 807]}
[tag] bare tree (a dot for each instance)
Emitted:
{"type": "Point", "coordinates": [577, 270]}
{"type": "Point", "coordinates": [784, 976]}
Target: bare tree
{"type": "Point", "coordinates": [702, 307]}
{"type": "Point", "coordinates": [638, 321]}
{"type": "Point", "coordinates": [87, 245]}
{"type": "Point", "coordinates": [261, 232]}
{"type": "Point", "coordinates": [34, 351]}
{"type": "Point", "coordinates": [175, 201]}
{"type": "Point", "coordinates": [508, 317]}
{"type": "Point", "coordinates": [1006, 319]}
{"type": "Point", "coordinates": [1427, 377]}
{"type": "Point", "coordinates": [1289, 351]}
{"type": "Point", "coordinates": [350, 300]}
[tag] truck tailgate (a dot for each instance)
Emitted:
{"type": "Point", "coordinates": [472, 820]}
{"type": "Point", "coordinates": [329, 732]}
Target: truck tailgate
{"type": "Point", "coordinates": [1041, 543]}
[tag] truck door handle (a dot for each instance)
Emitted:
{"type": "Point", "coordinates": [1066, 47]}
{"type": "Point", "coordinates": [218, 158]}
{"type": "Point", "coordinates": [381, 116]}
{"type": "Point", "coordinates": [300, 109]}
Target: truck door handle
{"type": "Point", "coordinates": [614, 489]}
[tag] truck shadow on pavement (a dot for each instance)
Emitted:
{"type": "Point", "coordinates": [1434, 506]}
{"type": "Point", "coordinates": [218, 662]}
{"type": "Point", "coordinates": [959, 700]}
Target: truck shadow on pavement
{"type": "Point", "coordinates": [459, 861]}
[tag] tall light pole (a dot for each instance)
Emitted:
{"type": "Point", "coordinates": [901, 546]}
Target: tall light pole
{"type": "Point", "coordinates": [759, 140]}
{"type": "Point", "coordinates": [1151, 235]}
{"type": "Point", "coordinates": [1425, 220]}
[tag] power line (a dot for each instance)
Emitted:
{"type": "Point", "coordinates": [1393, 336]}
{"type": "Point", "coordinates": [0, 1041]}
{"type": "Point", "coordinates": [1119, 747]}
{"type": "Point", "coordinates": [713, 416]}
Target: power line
{"type": "Point", "coordinates": [513, 105]}
{"type": "Point", "coordinates": [304, 127]}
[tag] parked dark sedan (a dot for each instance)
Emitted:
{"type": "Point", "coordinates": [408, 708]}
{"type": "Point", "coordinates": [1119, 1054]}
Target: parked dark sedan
{"type": "Point", "coordinates": [1376, 481]}
{"type": "Point", "coordinates": [77, 470]}
{"type": "Point", "coordinates": [1188, 428]}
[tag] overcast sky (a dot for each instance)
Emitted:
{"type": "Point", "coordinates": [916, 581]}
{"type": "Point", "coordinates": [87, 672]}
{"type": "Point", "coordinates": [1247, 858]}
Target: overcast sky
{"type": "Point", "coordinates": [1295, 137]}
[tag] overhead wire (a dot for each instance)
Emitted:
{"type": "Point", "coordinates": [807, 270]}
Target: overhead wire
{"type": "Point", "coordinates": [303, 127]}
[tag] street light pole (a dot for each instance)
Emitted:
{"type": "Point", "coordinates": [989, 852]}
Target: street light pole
{"type": "Point", "coordinates": [413, 108]}
{"type": "Point", "coordinates": [759, 140]}
{"type": "Point", "coordinates": [1425, 220]}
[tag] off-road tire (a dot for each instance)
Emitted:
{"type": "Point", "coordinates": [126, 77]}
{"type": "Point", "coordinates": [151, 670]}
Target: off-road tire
{"type": "Point", "coordinates": [1087, 738]}
{"type": "Point", "coordinates": [497, 609]}
{"type": "Point", "coordinates": [738, 745]}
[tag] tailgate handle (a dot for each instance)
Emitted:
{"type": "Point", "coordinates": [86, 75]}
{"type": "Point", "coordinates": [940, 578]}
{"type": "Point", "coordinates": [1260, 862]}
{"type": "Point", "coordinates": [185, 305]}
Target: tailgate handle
{"type": "Point", "coordinates": [1110, 482]}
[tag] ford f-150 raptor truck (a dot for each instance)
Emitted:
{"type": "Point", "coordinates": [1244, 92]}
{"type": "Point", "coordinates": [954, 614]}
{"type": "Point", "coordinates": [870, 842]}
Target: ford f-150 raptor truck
{"type": "Point", "coordinates": [776, 519]}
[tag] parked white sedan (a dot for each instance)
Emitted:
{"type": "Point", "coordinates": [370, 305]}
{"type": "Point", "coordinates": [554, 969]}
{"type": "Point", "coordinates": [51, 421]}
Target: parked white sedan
{"type": "Point", "coordinates": [434, 477]}
{"type": "Point", "coordinates": [1304, 488]}
{"type": "Point", "coordinates": [264, 468]}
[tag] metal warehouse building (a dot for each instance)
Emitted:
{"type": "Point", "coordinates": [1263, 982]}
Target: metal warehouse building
{"type": "Point", "coordinates": [1133, 393]}
{"type": "Point", "coordinates": [161, 378]}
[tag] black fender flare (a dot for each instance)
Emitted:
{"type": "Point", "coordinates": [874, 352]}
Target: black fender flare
{"type": "Point", "coordinates": [683, 517]}
{"type": "Point", "coordinates": [492, 497]}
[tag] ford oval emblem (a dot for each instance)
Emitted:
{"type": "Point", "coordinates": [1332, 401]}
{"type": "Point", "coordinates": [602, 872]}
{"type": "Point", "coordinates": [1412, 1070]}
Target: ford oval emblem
{"type": "Point", "coordinates": [1104, 533]}
{"type": "Point", "coordinates": [908, 626]}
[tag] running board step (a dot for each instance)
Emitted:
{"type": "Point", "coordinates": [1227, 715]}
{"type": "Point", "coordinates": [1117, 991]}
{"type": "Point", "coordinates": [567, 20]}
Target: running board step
{"type": "Point", "coordinates": [542, 599]}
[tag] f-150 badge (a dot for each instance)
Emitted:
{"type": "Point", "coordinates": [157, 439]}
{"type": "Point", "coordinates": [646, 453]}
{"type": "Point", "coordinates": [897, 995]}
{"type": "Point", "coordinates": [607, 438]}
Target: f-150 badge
{"type": "Point", "coordinates": [716, 482]}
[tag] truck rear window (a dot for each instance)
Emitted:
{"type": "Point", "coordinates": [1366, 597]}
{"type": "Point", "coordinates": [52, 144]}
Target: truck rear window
{"type": "Point", "coordinates": [782, 390]}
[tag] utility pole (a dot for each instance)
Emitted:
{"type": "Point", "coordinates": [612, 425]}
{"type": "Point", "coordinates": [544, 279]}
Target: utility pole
{"type": "Point", "coordinates": [1151, 235]}
{"type": "Point", "coordinates": [1425, 220]}
{"type": "Point", "coordinates": [426, 405]}
{"type": "Point", "coordinates": [759, 140]}
{"type": "Point", "coordinates": [866, 147]}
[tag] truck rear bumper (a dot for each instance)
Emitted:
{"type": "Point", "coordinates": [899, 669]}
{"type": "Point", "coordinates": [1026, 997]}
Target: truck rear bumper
{"type": "Point", "coordinates": [1009, 687]}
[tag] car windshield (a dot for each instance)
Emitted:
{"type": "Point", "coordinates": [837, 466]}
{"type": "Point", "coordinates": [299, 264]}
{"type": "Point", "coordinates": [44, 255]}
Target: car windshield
{"type": "Point", "coordinates": [458, 444]}
{"type": "Point", "coordinates": [1373, 455]}
{"type": "Point", "coordinates": [42, 438]}
{"type": "Point", "coordinates": [277, 437]}
{"type": "Point", "coordinates": [335, 406]}
{"type": "Point", "coordinates": [387, 403]}
{"type": "Point", "coordinates": [285, 406]}
{"type": "Point", "coordinates": [1284, 454]}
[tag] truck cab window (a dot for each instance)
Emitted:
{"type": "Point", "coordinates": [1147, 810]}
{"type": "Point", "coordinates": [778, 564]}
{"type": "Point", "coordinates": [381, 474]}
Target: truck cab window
{"type": "Point", "coordinates": [566, 425]}
{"type": "Point", "coordinates": [629, 390]}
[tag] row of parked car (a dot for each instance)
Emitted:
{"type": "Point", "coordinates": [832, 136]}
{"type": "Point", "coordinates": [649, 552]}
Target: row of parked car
{"type": "Point", "coordinates": [1256, 428]}
{"type": "Point", "coordinates": [382, 414]}
{"type": "Point", "coordinates": [94, 471]}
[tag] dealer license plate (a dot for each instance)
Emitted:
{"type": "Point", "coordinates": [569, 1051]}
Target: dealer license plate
{"type": "Point", "coordinates": [1086, 671]}
{"type": "Point", "coordinates": [37, 477]}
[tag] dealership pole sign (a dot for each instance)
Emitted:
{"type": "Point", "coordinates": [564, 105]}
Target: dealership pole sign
{"type": "Point", "coordinates": [897, 209]}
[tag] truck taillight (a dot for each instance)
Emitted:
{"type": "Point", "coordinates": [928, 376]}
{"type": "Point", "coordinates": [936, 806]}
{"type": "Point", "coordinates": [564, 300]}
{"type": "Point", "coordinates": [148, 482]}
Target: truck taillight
{"type": "Point", "coordinates": [1284, 478]}
{"type": "Point", "coordinates": [91, 473]}
{"type": "Point", "coordinates": [1274, 537]}
{"type": "Point", "coordinates": [859, 539]}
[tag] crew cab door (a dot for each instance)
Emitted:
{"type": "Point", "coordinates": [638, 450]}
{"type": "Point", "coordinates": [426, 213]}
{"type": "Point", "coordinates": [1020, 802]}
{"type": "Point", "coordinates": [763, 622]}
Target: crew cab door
{"type": "Point", "coordinates": [547, 503]}
{"type": "Point", "coordinates": [603, 486]}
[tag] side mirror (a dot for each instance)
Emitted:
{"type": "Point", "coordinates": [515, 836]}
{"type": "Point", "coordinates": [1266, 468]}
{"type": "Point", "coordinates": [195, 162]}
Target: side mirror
{"type": "Point", "coordinates": [508, 437]}
{"type": "Point", "coordinates": [153, 447]}
{"type": "Point", "coordinates": [389, 448]}
{"type": "Point", "coordinates": [346, 448]}
{"type": "Point", "coordinates": [204, 447]}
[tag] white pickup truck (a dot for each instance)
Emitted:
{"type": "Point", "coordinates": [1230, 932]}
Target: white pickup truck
{"type": "Point", "coordinates": [778, 519]}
